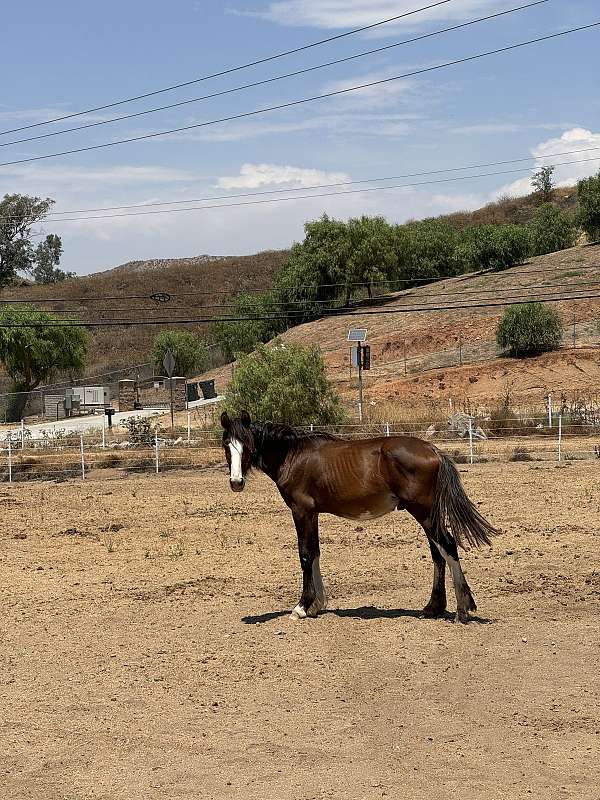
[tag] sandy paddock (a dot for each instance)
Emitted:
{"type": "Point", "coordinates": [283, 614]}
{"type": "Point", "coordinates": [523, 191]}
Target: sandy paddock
{"type": "Point", "coordinates": [147, 650]}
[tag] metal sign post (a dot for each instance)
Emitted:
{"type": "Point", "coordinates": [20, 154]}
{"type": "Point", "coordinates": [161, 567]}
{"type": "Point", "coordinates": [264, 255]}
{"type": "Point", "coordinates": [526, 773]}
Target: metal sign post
{"type": "Point", "coordinates": [360, 359]}
{"type": "Point", "coordinates": [169, 365]}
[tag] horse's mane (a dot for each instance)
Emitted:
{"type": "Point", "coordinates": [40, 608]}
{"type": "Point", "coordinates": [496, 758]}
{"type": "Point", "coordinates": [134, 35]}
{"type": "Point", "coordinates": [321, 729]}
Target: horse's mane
{"type": "Point", "coordinates": [275, 433]}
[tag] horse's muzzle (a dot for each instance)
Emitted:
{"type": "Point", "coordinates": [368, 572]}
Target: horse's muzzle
{"type": "Point", "coordinates": [237, 486]}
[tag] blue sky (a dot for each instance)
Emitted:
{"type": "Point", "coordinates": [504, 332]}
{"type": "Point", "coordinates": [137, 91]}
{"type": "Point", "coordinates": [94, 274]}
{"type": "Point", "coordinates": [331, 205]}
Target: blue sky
{"type": "Point", "coordinates": [68, 56]}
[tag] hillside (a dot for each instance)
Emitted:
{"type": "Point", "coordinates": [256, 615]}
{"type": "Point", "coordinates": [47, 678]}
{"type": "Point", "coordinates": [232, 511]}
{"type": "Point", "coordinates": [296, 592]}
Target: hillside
{"type": "Point", "coordinates": [205, 285]}
{"type": "Point", "coordinates": [435, 342]}
{"type": "Point", "coordinates": [197, 284]}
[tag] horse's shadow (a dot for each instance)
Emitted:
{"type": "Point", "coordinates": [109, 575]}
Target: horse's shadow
{"type": "Point", "coordinates": [364, 613]}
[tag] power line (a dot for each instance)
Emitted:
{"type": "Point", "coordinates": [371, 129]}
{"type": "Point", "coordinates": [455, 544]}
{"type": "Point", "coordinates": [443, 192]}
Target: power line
{"type": "Point", "coordinates": [326, 313]}
{"type": "Point", "coordinates": [54, 214]}
{"type": "Point", "coordinates": [303, 101]}
{"type": "Point", "coordinates": [274, 78]}
{"type": "Point", "coordinates": [316, 302]}
{"type": "Point", "coordinates": [425, 281]}
{"type": "Point", "coordinates": [229, 70]}
{"type": "Point", "coordinates": [295, 198]}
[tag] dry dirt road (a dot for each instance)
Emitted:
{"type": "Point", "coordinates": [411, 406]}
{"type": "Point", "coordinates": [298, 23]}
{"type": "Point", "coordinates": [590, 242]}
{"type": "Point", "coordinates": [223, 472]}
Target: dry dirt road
{"type": "Point", "coordinates": [147, 650]}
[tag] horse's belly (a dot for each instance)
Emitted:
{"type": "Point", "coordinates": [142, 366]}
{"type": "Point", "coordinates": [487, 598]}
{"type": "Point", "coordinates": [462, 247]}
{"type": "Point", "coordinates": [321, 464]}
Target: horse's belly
{"type": "Point", "coordinates": [364, 507]}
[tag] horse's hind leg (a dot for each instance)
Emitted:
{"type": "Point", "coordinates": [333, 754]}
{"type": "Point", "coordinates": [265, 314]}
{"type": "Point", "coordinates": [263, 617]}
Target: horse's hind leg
{"type": "Point", "coordinates": [437, 603]}
{"type": "Point", "coordinates": [444, 553]}
{"type": "Point", "coordinates": [465, 601]}
{"type": "Point", "coordinates": [313, 597]}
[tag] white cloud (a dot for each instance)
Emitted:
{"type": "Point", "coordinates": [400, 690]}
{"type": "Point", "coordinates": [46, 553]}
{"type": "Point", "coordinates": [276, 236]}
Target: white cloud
{"type": "Point", "coordinates": [358, 13]}
{"type": "Point", "coordinates": [342, 123]}
{"type": "Point", "coordinates": [507, 127]}
{"type": "Point", "coordinates": [567, 175]}
{"type": "Point", "coordinates": [252, 176]}
{"type": "Point", "coordinates": [121, 174]}
{"type": "Point", "coordinates": [485, 128]}
{"type": "Point", "coordinates": [372, 96]}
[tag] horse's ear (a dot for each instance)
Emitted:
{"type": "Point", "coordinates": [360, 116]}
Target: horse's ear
{"type": "Point", "coordinates": [245, 418]}
{"type": "Point", "coordinates": [225, 421]}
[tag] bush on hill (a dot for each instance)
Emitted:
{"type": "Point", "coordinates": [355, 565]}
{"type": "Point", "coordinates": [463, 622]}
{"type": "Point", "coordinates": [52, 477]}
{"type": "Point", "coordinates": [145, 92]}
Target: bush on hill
{"type": "Point", "coordinates": [529, 329]}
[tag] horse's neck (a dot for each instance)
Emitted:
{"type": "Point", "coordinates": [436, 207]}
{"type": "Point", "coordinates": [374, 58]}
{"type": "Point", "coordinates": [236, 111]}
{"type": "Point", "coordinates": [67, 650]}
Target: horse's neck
{"type": "Point", "coordinates": [271, 453]}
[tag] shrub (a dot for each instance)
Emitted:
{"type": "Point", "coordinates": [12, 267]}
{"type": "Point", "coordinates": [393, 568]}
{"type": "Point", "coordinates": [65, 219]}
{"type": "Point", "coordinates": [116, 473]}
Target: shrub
{"type": "Point", "coordinates": [140, 430]}
{"type": "Point", "coordinates": [284, 383]}
{"type": "Point", "coordinates": [551, 230]}
{"type": "Point", "coordinates": [520, 453]}
{"type": "Point", "coordinates": [588, 192]}
{"type": "Point", "coordinates": [529, 329]}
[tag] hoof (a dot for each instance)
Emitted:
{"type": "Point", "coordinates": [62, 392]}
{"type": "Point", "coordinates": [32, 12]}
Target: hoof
{"type": "Point", "coordinates": [320, 604]}
{"type": "Point", "coordinates": [298, 613]}
{"type": "Point", "coordinates": [462, 617]}
{"type": "Point", "coordinates": [433, 612]}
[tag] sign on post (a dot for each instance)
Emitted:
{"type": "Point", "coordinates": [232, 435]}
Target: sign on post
{"type": "Point", "coordinates": [169, 365]}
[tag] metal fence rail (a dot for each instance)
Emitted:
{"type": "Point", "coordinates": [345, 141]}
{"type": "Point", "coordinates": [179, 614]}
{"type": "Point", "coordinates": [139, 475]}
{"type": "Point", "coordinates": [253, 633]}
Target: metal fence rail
{"type": "Point", "coordinates": [77, 455]}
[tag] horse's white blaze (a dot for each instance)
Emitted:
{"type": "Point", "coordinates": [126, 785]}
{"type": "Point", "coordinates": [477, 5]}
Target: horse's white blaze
{"type": "Point", "coordinates": [236, 449]}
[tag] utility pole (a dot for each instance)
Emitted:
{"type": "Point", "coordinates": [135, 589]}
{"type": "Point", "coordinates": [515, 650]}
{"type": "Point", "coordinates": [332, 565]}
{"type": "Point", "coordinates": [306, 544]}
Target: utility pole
{"type": "Point", "coordinates": [360, 383]}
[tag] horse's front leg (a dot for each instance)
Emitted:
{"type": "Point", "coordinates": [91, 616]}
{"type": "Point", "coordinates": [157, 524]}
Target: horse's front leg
{"type": "Point", "coordinates": [313, 597]}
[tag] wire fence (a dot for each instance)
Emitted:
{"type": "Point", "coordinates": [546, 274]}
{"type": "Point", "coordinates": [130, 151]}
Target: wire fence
{"type": "Point", "coordinates": [99, 453]}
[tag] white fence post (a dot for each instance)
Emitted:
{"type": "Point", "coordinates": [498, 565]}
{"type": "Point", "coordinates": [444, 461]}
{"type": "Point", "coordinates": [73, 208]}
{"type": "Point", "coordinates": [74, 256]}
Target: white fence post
{"type": "Point", "coordinates": [471, 439]}
{"type": "Point", "coordinates": [189, 429]}
{"type": "Point", "coordinates": [22, 434]}
{"type": "Point", "coordinates": [9, 460]}
{"type": "Point", "coordinates": [387, 428]}
{"type": "Point", "coordinates": [103, 436]}
{"type": "Point", "coordinates": [549, 410]}
{"type": "Point", "coordinates": [559, 437]}
{"type": "Point", "coordinates": [82, 457]}
{"type": "Point", "coordinates": [156, 465]}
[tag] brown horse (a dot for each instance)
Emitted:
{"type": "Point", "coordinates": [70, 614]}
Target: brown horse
{"type": "Point", "coordinates": [319, 473]}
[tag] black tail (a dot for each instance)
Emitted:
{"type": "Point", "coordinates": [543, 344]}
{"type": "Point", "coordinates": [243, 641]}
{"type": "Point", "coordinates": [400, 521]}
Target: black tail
{"type": "Point", "coordinates": [452, 508]}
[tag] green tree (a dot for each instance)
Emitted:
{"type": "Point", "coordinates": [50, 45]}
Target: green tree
{"type": "Point", "coordinates": [18, 214]}
{"type": "Point", "coordinates": [32, 350]}
{"type": "Point", "coordinates": [543, 184]}
{"type": "Point", "coordinates": [371, 255]}
{"type": "Point", "coordinates": [529, 329]}
{"type": "Point", "coordinates": [426, 249]}
{"type": "Point", "coordinates": [494, 247]}
{"type": "Point", "coordinates": [239, 336]}
{"type": "Point", "coordinates": [46, 260]}
{"type": "Point", "coordinates": [189, 351]}
{"type": "Point", "coordinates": [588, 192]}
{"type": "Point", "coordinates": [284, 383]}
{"type": "Point", "coordinates": [315, 270]}
{"type": "Point", "coordinates": [551, 230]}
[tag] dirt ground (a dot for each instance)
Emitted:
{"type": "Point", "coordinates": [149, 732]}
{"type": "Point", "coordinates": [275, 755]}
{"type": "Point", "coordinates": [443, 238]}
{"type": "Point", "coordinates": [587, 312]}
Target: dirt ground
{"type": "Point", "coordinates": [147, 649]}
